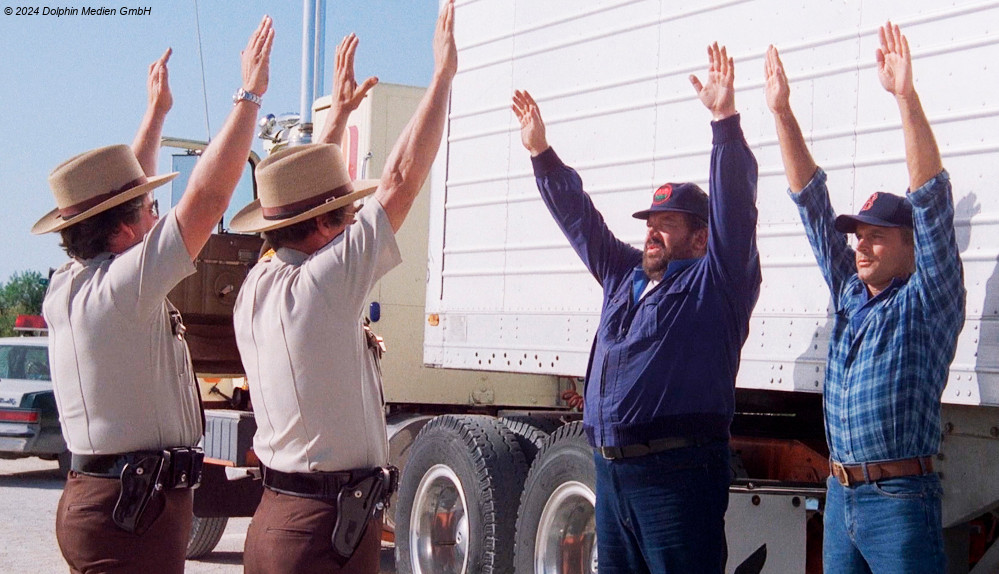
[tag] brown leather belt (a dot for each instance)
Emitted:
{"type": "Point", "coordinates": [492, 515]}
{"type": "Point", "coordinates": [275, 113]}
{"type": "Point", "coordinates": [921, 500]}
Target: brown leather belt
{"type": "Point", "coordinates": [867, 472]}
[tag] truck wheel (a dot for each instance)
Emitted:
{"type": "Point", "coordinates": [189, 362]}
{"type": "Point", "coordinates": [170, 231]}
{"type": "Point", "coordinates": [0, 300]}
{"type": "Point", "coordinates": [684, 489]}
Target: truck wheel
{"type": "Point", "coordinates": [205, 534]}
{"type": "Point", "coordinates": [556, 524]}
{"type": "Point", "coordinates": [531, 432]}
{"type": "Point", "coordinates": [455, 513]}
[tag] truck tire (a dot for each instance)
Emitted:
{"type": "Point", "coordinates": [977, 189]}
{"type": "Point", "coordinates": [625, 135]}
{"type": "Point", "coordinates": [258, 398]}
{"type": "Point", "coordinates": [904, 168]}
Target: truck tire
{"type": "Point", "coordinates": [205, 535]}
{"type": "Point", "coordinates": [531, 432]}
{"type": "Point", "coordinates": [556, 523]}
{"type": "Point", "coordinates": [455, 513]}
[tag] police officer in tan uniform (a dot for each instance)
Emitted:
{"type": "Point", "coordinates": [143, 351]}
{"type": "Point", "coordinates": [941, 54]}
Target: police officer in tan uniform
{"type": "Point", "coordinates": [321, 436]}
{"type": "Point", "coordinates": [127, 397]}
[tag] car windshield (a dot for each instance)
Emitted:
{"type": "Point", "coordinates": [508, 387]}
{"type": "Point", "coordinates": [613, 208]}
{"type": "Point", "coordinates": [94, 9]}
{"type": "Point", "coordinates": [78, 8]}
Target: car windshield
{"type": "Point", "coordinates": [24, 362]}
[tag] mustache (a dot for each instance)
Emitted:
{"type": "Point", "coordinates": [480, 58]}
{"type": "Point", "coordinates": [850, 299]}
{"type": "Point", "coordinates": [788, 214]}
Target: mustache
{"type": "Point", "coordinates": [655, 241]}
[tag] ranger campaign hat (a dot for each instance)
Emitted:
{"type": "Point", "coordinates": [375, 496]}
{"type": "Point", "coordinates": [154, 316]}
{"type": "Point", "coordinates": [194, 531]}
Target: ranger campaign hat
{"type": "Point", "coordinates": [93, 182]}
{"type": "Point", "coordinates": [299, 183]}
{"type": "Point", "coordinates": [682, 197]}
{"type": "Point", "coordinates": [881, 209]}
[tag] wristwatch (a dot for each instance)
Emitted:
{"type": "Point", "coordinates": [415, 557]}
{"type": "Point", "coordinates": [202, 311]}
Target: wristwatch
{"type": "Point", "coordinates": [242, 94]}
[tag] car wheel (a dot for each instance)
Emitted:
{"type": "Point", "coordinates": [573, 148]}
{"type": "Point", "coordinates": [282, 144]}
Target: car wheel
{"type": "Point", "coordinates": [455, 515]}
{"type": "Point", "coordinates": [205, 535]}
{"type": "Point", "coordinates": [556, 522]}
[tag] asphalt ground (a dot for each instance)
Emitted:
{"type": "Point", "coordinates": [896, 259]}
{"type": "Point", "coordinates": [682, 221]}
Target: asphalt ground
{"type": "Point", "coordinates": [29, 493]}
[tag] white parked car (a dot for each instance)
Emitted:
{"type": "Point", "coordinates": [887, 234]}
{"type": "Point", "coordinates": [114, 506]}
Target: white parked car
{"type": "Point", "coordinates": [29, 421]}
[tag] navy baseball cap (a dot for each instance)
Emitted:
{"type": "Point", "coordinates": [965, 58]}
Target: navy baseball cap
{"type": "Point", "coordinates": [881, 209]}
{"type": "Point", "coordinates": [683, 197]}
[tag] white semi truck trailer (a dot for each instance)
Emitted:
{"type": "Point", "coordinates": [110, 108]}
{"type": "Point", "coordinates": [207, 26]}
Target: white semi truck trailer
{"type": "Point", "coordinates": [490, 319]}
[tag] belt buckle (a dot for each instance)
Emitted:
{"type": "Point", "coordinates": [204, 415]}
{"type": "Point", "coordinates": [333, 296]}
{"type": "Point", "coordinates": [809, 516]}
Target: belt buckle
{"type": "Point", "coordinates": [611, 452]}
{"type": "Point", "coordinates": [839, 471]}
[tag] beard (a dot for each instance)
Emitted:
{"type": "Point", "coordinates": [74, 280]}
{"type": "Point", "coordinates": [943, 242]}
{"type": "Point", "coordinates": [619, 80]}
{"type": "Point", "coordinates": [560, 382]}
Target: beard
{"type": "Point", "coordinates": [654, 264]}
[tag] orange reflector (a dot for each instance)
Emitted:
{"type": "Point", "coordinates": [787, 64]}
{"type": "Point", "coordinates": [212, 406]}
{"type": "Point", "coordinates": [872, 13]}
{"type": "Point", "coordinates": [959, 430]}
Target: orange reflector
{"type": "Point", "coordinates": [18, 416]}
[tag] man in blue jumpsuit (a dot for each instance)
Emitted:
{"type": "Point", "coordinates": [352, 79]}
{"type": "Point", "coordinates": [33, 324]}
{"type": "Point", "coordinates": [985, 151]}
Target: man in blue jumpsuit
{"type": "Point", "coordinates": [660, 389]}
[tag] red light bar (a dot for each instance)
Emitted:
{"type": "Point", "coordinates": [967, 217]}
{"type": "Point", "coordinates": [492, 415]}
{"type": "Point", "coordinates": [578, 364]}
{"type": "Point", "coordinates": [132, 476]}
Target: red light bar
{"type": "Point", "coordinates": [30, 323]}
{"type": "Point", "coordinates": [18, 416]}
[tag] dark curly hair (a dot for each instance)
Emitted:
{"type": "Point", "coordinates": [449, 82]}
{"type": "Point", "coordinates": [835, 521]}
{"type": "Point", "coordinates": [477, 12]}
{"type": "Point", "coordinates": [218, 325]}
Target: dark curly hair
{"type": "Point", "coordinates": [282, 236]}
{"type": "Point", "coordinates": [90, 237]}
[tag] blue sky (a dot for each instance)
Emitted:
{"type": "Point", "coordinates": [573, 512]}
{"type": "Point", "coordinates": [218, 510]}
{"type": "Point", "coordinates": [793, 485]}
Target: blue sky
{"type": "Point", "coordinates": [74, 83]}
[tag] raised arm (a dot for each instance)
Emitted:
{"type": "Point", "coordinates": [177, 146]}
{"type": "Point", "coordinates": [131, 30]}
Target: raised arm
{"type": "Point", "coordinates": [731, 247]}
{"type": "Point", "coordinates": [833, 254]}
{"type": "Point", "coordinates": [409, 163]}
{"type": "Point", "coordinates": [561, 189]}
{"type": "Point", "coordinates": [799, 167]}
{"type": "Point", "coordinates": [347, 95]}
{"type": "Point", "coordinates": [147, 140]}
{"type": "Point", "coordinates": [895, 72]}
{"type": "Point", "coordinates": [218, 171]}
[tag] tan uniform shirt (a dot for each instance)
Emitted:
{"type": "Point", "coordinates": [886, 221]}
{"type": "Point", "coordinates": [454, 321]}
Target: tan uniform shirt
{"type": "Point", "coordinates": [122, 380]}
{"type": "Point", "coordinates": [316, 392]}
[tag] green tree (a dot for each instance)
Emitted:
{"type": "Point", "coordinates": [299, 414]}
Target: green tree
{"type": "Point", "coordinates": [21, 295]}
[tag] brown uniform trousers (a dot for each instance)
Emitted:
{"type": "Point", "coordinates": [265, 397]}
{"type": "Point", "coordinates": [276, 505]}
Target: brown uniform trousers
{"type": "Point", "coordinates": [294, 535]}
{"type": "Point", "coordinates": [91, 543]}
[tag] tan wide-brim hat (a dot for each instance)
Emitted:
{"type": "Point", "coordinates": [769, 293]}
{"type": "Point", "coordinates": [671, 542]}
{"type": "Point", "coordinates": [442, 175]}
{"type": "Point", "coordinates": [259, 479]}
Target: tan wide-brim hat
{"type": "Point", "coordinates": [297, 184]}
{"type": "Point", "coordinates": [93, 182]}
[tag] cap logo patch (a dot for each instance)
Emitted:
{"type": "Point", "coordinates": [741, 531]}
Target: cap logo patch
{"type": "Point", "coordinates": [870, 202]}
{"type": "Point", "coordinates": [662, 194]}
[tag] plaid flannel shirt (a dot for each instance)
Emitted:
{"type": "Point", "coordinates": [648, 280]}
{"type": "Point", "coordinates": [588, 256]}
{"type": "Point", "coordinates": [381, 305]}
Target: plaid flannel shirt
{"type": "Point", "coordinates": [886, 373]}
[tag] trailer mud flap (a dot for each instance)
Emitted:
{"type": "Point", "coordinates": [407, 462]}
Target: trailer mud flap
{"type": "Point", "coordinates": [755, 563]}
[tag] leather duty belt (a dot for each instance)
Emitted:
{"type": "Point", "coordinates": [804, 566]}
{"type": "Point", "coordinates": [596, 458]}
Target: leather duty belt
{"type": "Point", "coordinates": [867, 472]}
{"type": "Point", "coordinates": [180, 468]}
{"type": "Point", "coordinates": [326, 485]}
{"type": "Point", "coordinates": [319, 485]}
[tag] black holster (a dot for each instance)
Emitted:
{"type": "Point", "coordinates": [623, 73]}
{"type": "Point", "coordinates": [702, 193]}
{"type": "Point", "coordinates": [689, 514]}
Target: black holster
{"type": "Point", "coordinates": [357, 503]}
{"type": "Point", "coordinates": [143, 476]}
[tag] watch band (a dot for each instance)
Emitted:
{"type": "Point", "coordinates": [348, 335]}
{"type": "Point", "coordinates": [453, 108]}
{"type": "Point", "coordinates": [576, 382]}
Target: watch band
{"type": "Point", "coordinates": [242, 94]}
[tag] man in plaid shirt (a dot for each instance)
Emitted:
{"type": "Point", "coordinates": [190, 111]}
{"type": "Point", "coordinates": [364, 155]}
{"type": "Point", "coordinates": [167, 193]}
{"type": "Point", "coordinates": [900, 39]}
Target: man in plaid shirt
{"type": "Point", "coordinates": [899, 300]}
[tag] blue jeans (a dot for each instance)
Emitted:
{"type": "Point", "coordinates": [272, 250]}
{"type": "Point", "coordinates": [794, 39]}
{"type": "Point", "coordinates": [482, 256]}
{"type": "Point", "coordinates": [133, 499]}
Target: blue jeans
{"type": "Point", "coordinates": [891, 526]}
{"type": "Point", "coordinates": [663, 513]}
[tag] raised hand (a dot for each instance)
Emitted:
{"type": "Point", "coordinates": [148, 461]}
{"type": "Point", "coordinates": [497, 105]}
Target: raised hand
{"type": "Point", "coordinates": [532, 128]}
{"type": "Point", "coordinates": [158, 84]}
{"type": "Point", "coordinates": [718, 95]}
{"type": "Point", "coordinates": [894, 61]}
{"type": "Point", "coordinates": [445, 52]}
{"type": "Point", "coordinates": [256, 58]}
{"type": "Point", "coordinates": [347, 95]}
{"type": "Point", "coordinates": [778, 91]}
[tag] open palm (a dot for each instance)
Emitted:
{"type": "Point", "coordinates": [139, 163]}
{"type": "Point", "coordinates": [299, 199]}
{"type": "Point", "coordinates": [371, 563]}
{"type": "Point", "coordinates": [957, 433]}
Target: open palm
{"type": "Point", "coordinates": [718, 94]}
{"type": "Point", "coordinates": [778, 91]}
{"type": "Point", "coordinates": [894, 61]}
